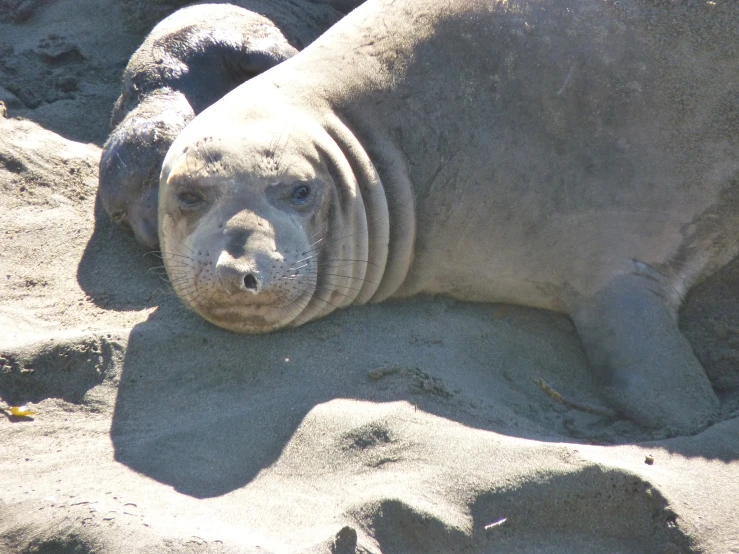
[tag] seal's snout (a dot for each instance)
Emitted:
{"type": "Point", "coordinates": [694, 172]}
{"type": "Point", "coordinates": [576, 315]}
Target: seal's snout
{"type": "Point", "coordinates": [145, 231]}
{"type": "Point", "coordinates": [236, 276]}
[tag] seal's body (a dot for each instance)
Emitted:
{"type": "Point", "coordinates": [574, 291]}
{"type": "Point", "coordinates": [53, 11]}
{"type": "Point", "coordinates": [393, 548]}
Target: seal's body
{"type": "Point", "coordinates": [580, 156]}
{"type": "Point", "coordinates": [188, 61]}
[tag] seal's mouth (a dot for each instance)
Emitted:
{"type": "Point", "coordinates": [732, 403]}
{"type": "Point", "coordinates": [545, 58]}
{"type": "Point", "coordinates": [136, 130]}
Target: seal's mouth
{"type": "Point", "coordinates": [252, 317]}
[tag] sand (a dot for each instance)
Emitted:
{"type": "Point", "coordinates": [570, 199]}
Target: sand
{"type": "Point", "coordinates": [406, 427]}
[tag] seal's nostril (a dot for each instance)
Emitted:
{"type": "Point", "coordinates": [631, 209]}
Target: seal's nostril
{"type": "Point", "coordinates": [250, 282]}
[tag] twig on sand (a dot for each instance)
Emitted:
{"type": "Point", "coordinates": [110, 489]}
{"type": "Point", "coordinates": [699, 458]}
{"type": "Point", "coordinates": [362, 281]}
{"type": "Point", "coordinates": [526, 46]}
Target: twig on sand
{"type": "Point", "coordinates": [495, 523]}
{"type": "Point", "coordinates": [587, 408]}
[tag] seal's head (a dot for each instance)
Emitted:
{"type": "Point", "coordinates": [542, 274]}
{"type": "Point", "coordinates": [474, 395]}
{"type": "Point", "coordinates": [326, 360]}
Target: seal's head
{"type": "Point", "coordinates": [261, 223]}
{"type": "Point", "coordinates": [132, 160]}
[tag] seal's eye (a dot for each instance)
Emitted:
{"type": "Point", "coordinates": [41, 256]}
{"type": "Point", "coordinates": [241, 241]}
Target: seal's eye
{"type": "Point", "coordinates": [189, 199]}
{"type": "Point", "coordinates": [300, 194]}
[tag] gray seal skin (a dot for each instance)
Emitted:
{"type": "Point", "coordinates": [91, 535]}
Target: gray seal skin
{"type": "Point", "coordinates": [579, 156]}
{"type": "Point", "coordinates": [190, 60]}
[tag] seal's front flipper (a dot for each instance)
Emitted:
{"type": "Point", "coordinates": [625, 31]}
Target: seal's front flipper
{"type": "Point", "coordinates": [647, 368]}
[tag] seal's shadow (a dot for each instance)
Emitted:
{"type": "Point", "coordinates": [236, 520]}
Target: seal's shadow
{"type": "Point", "coordinates": [114, 271]}
{"type": "Point", "coordinates": [205, 410]}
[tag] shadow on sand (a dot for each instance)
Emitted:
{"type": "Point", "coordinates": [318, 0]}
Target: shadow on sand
{"type": "Point", "coordinates": [205, 410]}
{"type": "Point", "coordinates": [116, 274]}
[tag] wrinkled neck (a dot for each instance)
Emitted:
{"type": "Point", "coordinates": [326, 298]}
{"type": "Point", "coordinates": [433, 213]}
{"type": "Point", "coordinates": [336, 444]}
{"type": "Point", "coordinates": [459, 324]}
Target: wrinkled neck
{"type": "Point", "coordinates": [386, 192]}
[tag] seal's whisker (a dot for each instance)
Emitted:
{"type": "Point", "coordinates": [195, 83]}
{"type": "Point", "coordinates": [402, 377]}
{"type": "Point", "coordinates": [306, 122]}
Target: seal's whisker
{"type": "Point", "coordinates": [176, 254]}
{"type": "Point", "coordinates": [189, 298]}
{"type": "Point", "coordinates": [186, 291]}
{"type": "Point", "coordinates": [181, 251]}
{"type": "Point", "coordinates": [178, 273]}
{"type": "Point", "coordinates": [362, 279]}
{"type": "Point", "coordinates": [168, 291]}
{"type": "Point", "coordinates": [181, 243]}
{"type": "Point", "coordinates": [298, 268]}
{"type": "Point", "coordinates": [314, 256]}
{"type": "Point", "coordinates": [180, 269]}
{"type": "Point", "coordinates": [305, 243]}
{"type": "Point", "coordinates": [324, 245]}
{"type": "Point", "coordinates": [308, 259]}
{"type": "Point", "coordinates": [316, 297]}
{"type": "Point", "coordinates": [208, 155]}
{"type": "Point", "coordinates": [303, 302]}
{"type": "Point", "coordinates": [277, 149]}
{"type": "Point", "coordinates": [335, 290]}
{"type": "Point", "coordinates": [332, 286]}
{"type": "Point", "coordinates": [330, 292]}
{"type": "Point", "coordinates": [170, 256]}
{"type": "Point", "coordinates": [181, 246]}
{"type": "Point", "coordinates": [347, 261]}
{"type": "Point", "coordinates": [152, 253]}
{"type": "Point", "coordinates": [310, 246]}
{"type": "Point", "coordinates": [187, 249]}
{"type": "Point", "coordinates": [294, 307]}
{"type": "Point", "coordinates": [179, 264]}
{"type": "Point", "coordinates": [178, 279]}
{"type": "Point", "coordinates": [174, 270]}
{"type": "Point", "coordinates": [297, 277]}
{"type": "Point", "coordinates": [351, 297]}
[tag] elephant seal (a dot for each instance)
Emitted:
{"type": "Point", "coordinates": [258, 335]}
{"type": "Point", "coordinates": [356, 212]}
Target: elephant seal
{"type": "Point", "coordinates": [578, 155]}
{"type": "Point", "coordinates": [190, 60]}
